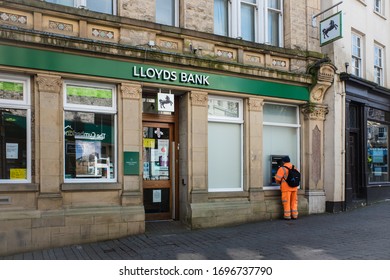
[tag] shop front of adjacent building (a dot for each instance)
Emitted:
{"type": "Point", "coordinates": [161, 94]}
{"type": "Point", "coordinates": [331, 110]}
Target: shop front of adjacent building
{"type": "Point", "coordinates": [367, 120]}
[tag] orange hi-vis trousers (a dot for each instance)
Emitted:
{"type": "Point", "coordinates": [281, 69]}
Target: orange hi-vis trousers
{"type": "Point", "coordinates": [290, 203]}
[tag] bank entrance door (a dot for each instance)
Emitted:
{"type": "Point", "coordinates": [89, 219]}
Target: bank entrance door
{"type": "Point", "coordinates": [159, 170]}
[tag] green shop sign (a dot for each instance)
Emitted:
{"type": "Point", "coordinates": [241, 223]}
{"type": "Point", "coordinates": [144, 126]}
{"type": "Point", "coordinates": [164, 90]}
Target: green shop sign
{"type": "Point", "coordinates": [110, 68]}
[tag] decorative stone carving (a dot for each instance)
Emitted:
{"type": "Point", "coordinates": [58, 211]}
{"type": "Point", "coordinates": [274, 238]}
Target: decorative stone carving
{"type": "Point", "coordinates": [315, 112]}
{"type": "Point", "coordinates": [131, 91]}
{"type": "Point", "coordinates": [48, 83]}
{"type": "Point", "coordinates": [255, 104]}
{"type": "Point", "coordinates": [199, 98]}
{"type": "Point", "coordinates": [316, 155]}
{"type": "Point", "coordinates": [60, 26]}
{"type": "Point", "coordinates": [324, 74]}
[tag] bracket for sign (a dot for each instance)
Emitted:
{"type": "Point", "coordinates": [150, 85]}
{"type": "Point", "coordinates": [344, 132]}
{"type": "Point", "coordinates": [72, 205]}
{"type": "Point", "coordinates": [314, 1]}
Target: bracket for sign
{"type": "Point", "coordinates": [314, 17]}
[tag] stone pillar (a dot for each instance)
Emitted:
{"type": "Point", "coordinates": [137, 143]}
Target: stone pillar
{"type": "Point", "coordinates": [198, 147]}
{"type": "Point", "coordinates": [313, 138]}
{"type": "Point", "coordinates": [130, 135]}
{"type": "Point", "coordinates": [49, 136]}
{"type": "Point", "coordinates": [255, 166]}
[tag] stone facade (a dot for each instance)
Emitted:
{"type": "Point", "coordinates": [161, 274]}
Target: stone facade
{"type": "Point", "coordinates": [48, 211]}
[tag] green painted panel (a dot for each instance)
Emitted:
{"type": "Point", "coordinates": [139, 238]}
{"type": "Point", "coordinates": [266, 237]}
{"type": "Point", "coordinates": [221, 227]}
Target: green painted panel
{"type": "Point", "coordinates": [131, 163]}
{"type": "Point", "coordinates": [70, 63]}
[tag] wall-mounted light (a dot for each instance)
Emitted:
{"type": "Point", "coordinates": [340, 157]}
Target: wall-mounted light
{"type": "Point", "coordinates": [346, 64]}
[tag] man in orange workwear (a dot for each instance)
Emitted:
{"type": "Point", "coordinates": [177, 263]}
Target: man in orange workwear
{"type": "Point", "coordinates": [289, 194]}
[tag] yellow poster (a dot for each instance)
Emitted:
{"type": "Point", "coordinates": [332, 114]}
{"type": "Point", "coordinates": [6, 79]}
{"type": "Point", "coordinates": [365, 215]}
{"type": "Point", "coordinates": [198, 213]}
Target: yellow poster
{"type": "Point", "coordinates": [17, 173]}
{"type": "Point", "coordinates": [149, 143]}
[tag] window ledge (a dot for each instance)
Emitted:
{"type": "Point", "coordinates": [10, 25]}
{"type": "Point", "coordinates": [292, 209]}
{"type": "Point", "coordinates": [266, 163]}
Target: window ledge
{"type": "Point", "coordinates": [380, 15]}
{"type": "Point", "coordinates": [226, 194]}
{"type": "Point", "coordinates": [90, 186]}
{"type": "Point", "coordinates": [19, 187]}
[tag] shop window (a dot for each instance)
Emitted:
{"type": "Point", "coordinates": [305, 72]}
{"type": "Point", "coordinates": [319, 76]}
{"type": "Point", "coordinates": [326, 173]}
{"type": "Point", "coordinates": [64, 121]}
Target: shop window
{"type": "Point", "coordinates": [377, 145]}
{"type": "Point", "coordinates": [258, 21]}
{"type": "Point", "coordinates": [101, 6]}
{"type": "Point", "coordinates": [225, 144]}
{"type": "Point", "coordinates": [15, 129]}
{"type": "Point", "coordinates": [90, 132]}
{"type": "Point", "coordinates": [280, 137]}
{"type": "Point", "coordinates": [167, 12]}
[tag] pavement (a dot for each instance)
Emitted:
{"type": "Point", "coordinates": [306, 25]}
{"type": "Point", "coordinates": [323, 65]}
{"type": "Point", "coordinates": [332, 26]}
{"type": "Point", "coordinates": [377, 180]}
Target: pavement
{"type": "Point", "coordinates": [359, 234]}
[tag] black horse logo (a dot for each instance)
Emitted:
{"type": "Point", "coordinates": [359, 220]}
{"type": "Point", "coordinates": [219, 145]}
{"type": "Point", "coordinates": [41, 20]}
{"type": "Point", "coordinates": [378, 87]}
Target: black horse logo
{"type": "Point", "coordinates": [166, 101]}
{"type": "Point", "coordinates": [331, 26]}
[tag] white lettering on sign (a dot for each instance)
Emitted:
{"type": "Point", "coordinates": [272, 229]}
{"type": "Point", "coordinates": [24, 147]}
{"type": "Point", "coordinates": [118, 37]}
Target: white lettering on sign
{"type": "Point", "coordinates": [84, 135]}
{"type": "Point", "coordinates": [166, 75]}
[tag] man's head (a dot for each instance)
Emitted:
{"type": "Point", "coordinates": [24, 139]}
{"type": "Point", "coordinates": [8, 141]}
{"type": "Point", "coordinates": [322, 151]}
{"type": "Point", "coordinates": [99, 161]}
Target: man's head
{"type": "Point", "coordinates": [286, 159]}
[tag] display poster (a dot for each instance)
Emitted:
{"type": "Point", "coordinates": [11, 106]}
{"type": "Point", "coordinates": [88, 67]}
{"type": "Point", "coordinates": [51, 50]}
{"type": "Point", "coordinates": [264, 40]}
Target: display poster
{"type": "Point", "coordinates": [12, 150]}
{"type": "Point", "coordinates": [18, 173]}
{"type": "Point", "coordinates": [86, 153]}
{"type": "Point", "coordinates": [156, 196]}
{"type": "Point", "coordinates": [149, 143]}
{"type": "Point", "coordinates": [378, 171]}
{"type": "Point", "coordinates": [377, 155]}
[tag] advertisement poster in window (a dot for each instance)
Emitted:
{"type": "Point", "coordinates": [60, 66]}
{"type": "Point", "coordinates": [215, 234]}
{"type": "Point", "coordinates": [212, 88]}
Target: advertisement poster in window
{"type": "Point", "coordinates": [163, 152]}
{"type": "Point", "coordinates": [87, 153]}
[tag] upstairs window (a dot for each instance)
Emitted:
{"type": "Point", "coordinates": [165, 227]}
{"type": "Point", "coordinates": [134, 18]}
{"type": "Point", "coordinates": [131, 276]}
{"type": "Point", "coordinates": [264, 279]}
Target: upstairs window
{"type": "Point", "coordinates": [357, 55]}
{"type": "Point", "coordinates": [258, 21]}
{"type": "Point", "coordinates": [378, 6]}
{"type": "Point", "coordinates": [378, 65]}
{"type": "Point", "coordinates": [101, 6]}
{"type": "Point", "coordinates": [167, 12]}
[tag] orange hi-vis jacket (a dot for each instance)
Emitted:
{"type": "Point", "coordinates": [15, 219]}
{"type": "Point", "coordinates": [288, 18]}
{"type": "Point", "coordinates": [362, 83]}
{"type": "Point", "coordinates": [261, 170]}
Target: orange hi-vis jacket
{"type": "Point", "coordinates": [281, 176]}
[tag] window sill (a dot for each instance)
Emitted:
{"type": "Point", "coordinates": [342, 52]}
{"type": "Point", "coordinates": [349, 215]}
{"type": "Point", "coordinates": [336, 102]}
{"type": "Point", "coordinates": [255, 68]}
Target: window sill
{"type": "Point", "coordinates": [90, 186]}
{"type": "Point", "coordinates": [20, 187]}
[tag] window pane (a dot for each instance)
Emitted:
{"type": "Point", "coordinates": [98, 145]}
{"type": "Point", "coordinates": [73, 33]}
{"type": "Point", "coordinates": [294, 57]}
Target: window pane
{"type": "Point", "coordinates": [280, 114]}
{"type": "Point", "coordinates": [165, 12]}
{"type": "Point", "coordinates": [221, 17]}
{"type": "Point", "coordinates": [274, 4]}
{"type": "Point", "coordinates": [89, 145]}
{"type": "Point", "coordinates": [278, 141]}
{"type": "Point", "coordinates": [224, 155]}
{"type": "Point", "coordinates": [102, 6]}
{"type": "Point", "coordinates": [377, 152]}
{"type": "Point", "coordinates": [62, 2]}
{"type": "Point", "coordinates": [89, 96]}
{"type": "Point", "coordinates": [13, 141]}
{"type": "Point", "coordinates": [248, 22]}
{"type": "Point", "coordinates": [273, 28]}
{"type": "Point", "coordinates": [224, 108]}
{"type": "Point", "coordinates": [11, 90]}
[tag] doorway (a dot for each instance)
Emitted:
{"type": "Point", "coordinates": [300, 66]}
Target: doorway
{"type": "Point", "coordinates": [160, 156]}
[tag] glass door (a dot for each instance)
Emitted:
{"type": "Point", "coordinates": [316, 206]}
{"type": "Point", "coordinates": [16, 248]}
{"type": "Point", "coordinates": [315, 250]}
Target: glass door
{"type": "Point", "coordinates": [157, 170]}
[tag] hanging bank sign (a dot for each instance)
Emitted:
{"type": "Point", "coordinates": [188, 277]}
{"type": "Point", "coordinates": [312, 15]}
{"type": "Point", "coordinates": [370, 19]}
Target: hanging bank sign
{"type": "Point", "coordinates": [164, 75]}
{"type": "Point", "coordinates": [331, 29]}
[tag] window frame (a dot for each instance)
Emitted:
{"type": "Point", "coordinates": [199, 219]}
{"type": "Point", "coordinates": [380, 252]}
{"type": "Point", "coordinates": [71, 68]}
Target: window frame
{"type": "Point", "coordinates": [82, 4]}
{"type": "Point", "coordinates": [230, 120]}
{"type": "Point", "coordinates": [379, 9]}
{"type": "Point", "coordinates": [355, 57]}
{"type": "Point", "coordinates": [96, 110]}
{"type": "Point", "coordinates": [296, 125]}
{"type": "Point", "coordinates": [176, 14]}
{"type": "Point", "coordinates": [24, 104]}
{"type": "Point", "coordinates": [379, 68]}
{"type": "Point", "coordinates": [261, 17]}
